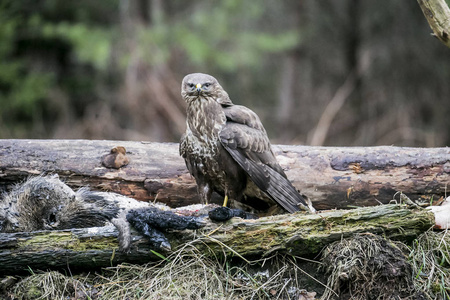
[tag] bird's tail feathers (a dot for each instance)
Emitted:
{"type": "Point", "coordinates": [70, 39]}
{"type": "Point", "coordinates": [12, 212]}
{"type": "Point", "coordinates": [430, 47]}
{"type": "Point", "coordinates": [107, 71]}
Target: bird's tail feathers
{"type": "Point", "coordinates": [285, 194]}
{"type": "Point", "coordinates": [275, 185]}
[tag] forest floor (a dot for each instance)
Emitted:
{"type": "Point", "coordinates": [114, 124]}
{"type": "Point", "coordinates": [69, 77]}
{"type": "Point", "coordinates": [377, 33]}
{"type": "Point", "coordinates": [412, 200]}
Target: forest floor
{"type": "Point", "coordinates": [365, 266]}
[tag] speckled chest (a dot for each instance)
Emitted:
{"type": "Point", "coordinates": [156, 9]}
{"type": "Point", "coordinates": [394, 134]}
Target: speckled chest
{"type": "Point", "coordinates": [205, 120]}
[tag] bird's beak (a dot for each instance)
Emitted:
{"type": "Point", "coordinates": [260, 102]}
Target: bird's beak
{"type": "Point", "coordinates": [199, 87]}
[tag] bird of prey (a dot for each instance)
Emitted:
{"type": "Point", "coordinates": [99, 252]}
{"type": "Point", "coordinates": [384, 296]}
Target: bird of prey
{"type": "Point", "coordinates": [227, 150]}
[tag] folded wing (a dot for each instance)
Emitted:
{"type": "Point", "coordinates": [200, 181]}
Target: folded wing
{"type": "Point", "coordinates": [245, 138]}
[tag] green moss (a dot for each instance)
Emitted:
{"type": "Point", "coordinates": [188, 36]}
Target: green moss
{"type": "Point", "coordinates": [34, 292]}
{"type": "Point", "coordinates": [305, 246]}
{"type": "Point", "coordinates": [47, 241]}
{"type": "Point", "coordinates": [66, 240]}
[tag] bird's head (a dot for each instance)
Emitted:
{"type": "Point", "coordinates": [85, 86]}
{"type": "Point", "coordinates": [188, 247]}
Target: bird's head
{"type": "Point", "coordinates": [199, 85]}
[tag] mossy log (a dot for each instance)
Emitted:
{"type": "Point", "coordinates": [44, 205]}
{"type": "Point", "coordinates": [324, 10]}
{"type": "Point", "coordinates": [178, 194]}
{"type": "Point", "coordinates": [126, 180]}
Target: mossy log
{"type": "Point", "coordinates": [297, 234]}
{"type": "Point", "coordinates": [332, 177]}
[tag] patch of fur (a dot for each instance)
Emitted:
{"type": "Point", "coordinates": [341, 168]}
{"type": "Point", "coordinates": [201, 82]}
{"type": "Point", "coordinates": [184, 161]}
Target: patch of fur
{"type": "Point", "coordinates": [46, 203]}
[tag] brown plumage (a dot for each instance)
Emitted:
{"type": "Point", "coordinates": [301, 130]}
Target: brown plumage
{"type": "Point", "coordinates": [227, 150]}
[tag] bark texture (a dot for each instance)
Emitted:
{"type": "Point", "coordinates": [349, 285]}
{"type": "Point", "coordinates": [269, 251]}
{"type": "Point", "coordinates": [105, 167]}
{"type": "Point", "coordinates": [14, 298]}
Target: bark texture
{"type": "Point", "coordinates": [332, 177]}
{"type": "Point", "coordinates": [437, 14]}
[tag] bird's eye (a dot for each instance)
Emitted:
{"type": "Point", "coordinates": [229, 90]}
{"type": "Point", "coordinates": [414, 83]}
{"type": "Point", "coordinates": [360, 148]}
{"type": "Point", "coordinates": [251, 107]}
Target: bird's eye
{"type": "Point", "coordinates": [207, 84]}
{"type": "Point", "coordinates": [191, 85]}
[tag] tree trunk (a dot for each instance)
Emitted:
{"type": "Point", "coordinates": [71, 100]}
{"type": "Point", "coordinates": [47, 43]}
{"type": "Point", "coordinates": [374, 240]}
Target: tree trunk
{"type": "Point", "coordinates": [297, 234]}
{"type": "Point", "coordinates": [332, 177]}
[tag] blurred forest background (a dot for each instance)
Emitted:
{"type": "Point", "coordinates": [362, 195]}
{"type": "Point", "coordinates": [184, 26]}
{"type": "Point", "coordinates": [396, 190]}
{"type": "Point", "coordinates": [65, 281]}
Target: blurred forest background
{"type": "Point", "coordinates": [349, 72]}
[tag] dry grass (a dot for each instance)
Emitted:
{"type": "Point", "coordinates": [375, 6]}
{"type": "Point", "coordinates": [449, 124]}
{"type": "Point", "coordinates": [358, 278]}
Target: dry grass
{"type": "Point", "coordinates": [365, 266]}
{"type": "Point", "coordinates": [430, 258]}
{"type": "Point", "coordinates": [368, 266]}
{"type": "Point", "coordinates": [189, 274]}
{"type": "Point", "coordinates": [50, 285]}
{"type": "Point", "coordinates": [185, 274]}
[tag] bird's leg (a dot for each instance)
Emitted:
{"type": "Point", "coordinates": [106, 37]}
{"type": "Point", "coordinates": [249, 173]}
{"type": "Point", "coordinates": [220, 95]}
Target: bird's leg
{"type": "Point", "coordinates": [205, 193]}
{"type": "Point", "coordinates": [225, 201]}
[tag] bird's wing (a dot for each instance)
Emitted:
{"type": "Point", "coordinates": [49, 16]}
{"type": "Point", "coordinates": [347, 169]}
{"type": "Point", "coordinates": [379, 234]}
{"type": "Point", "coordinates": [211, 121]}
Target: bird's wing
{"type": "Point", "coordinates": [184, 152]}
{"type": "Point", "coordinates": [188, 159]}
{"type": "Point", "coordinates": [245, 138]}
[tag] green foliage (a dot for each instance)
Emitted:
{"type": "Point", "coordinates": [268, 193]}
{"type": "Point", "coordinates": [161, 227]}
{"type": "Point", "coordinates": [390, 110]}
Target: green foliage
{"type": "Point", "coordinates": [90, 44]}
{"type": "Point", "coordinates": [63, 63]}
{"type": "Point", "coordinates": [219, 34]}
{"type": "Point", "coordinates": [22, 87]}
{"type": "Point", "coordinates": [36, 43]}
{"type": "Point", "coordinates": [34, 52]}
{"type": "Point", "coordinates": [154, 44]}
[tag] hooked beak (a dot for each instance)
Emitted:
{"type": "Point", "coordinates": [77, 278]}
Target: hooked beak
{"type": "Point", "coordinates": [199, 87]}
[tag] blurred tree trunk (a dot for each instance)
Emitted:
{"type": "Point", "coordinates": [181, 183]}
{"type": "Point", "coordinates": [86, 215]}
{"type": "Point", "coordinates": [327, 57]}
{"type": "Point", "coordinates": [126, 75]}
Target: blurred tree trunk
{"type": "Point", "coordinates": [352, 44]}
{"type": "Point", "coordinates": [353, 39]}
{"type": "Point", "coordinates": [287, 106]}
{"type": "Point", "coordinates": [437, 14]}
{"type": "Point", "coordinates": [286, 95]}
{"type": "Point", "coordinates": [153, 105]}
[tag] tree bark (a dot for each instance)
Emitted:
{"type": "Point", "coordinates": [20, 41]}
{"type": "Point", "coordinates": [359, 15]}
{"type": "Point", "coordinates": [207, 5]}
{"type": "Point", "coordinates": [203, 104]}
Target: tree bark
{"type": "Point", "coordinates": [437, 14]}
{"type": "Point", "coordinates": [296, 234]}
{"type": "Point", "coordinates": [332, 177]}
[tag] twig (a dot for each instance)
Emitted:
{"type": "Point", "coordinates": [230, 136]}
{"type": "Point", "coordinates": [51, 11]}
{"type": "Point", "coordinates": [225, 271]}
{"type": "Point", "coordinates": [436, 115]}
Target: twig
{"type": "Point", "coordinates": [333, 107]}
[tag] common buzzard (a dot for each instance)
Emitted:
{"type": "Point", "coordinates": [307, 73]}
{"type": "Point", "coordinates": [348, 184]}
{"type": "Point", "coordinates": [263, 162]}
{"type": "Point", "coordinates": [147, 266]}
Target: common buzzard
{"type": "Point", "coordinates": [227, 150]}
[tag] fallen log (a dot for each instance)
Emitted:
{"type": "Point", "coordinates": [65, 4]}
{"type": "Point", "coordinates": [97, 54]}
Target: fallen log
{"type": "Point", "coordinates": [296, 234]}
{"type": "Point", "coordinates": [332, 177]}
